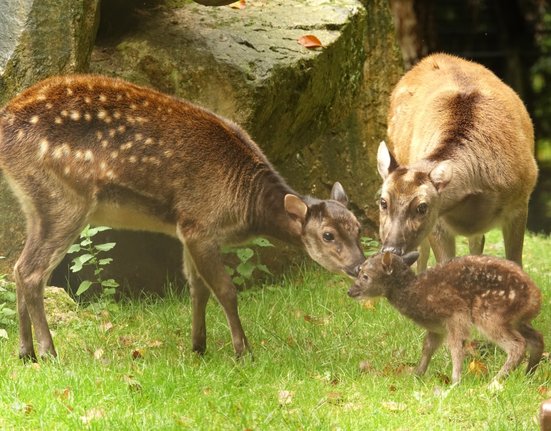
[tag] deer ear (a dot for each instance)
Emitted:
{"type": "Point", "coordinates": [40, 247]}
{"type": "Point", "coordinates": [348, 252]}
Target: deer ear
{"type": "Point", "coordinates": [387, 262]}
{"type": "Point", "coordinates": [295, 207]}
{"type": "Point", "coordinates": [386, 163]}
{"type": "Point", "coordinates": [410, 258]}
{"type": "Point", "coordinates": [338, 194]}
{"type": "Point", "coordinates": [441, 175]}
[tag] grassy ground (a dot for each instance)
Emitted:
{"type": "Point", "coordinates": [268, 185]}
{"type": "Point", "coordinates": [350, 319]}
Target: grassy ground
{"type": "Point", "coordinates": [131, 368]}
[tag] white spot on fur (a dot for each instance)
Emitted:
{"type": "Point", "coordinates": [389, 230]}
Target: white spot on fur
{"type": "Point", "coordinates": [87, 100]}
{"type": "Point", "coordinates": [114, 154]}
{"type": "Point", "coordinates": [168, 153]}
{"type": "Point", "coordinates": [112, 132]}
{"type": "Point", "coordinates": [67, 170]}
{"type": "Point", "coordinates": [58, 120]}
{"type": "Point", "coordinates": [99, 135]}
{"type": "Point", "coordinates": [49, 105]}
{"type": "Point", "coordinates": [104, 143]}
{"type": "Point", "coordinates": [102, 98]}
{"type": "Point", "coordinates": [126, 146]}
{"type": "Point", "coordinates": [41, 97]}
{"type": "Point", "coordinates": [75, 115]}
{"type": "Point", "coordinates": [78, 155]}
{"type": "Point", "coordinates": [20, 134]}
{"type": "Point", "coordinates": [148, 141]}
{"type": "Point", "coordinates": [44, 145]}
{"type": "Point", "coordinates": [69, 91]}
{"type": "Point", "coordinates": [34, 119]}
{"type": "Point", "coordinates": [138, 136]}
{"type": "Point", "coordinates": [64, 113]}
{"type": "Point", "coordinates": [87, 116]}
{"type": "Point", "coordinates": [133, 106]}
{"type": "Point", "coordinates": [116, 115]}
{"type": "Point", "coordinates": [121, 128]}
{"type": "Point", "coordinates": [132, 159]}
{"type": "Point", "coordinates": [102, 114]}
{"type": "Point", "coordinates": [57, 153]}
{"type": "Point", "coordinates": [88, 156]}
{"type": "Point", "coordinates": [512, 295]}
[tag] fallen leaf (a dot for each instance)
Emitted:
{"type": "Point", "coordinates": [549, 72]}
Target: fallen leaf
{"type": "Point", "coordinates": [126, 341]}
{"type": "Point", "coordinates": [91, 415]}
{"type": "Point", "coordinates": [19, 406]}
{"type": "Point", "coordinates": [334, 398]}
{"type": "Point", "coordinates": [477, 368]}
{"type": "Point", "coordinates": [3, 333]}
{"type": "Point", "coordinates": [365, 367]}
{"type": "Point", "coordinates": [98, 354]}
{"type": "Point", "coordinates": [241, 4]}
{"type": "Point", "coordinates": [310, 41]}
{"type": "Point", "coordinates": [107, 326]}
{"type": "Point", "coordinates": [285, 397]}
{"type": "Point", "coordinates": [63, 394]}
{"type": "Point", "coordinates": [394, 406]}
{"type": "Point", "coordinates": [137, 354]}
{"type": "Point", "coordinates": [133, 384]}
{"type": "Point", "coordinates": [368, 304]}
{"type": "Point", "coordinates": [544, 391]}
{"type": "Point", "coordinates": [154, 343]}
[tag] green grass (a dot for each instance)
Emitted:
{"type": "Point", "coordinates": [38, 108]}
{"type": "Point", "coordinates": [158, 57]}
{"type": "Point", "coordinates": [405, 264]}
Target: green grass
{"type": "Point", "coordinates": [131, 368]}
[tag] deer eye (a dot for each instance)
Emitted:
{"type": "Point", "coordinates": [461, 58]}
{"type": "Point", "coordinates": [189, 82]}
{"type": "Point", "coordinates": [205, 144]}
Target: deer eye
{"type": "Point", "coordinates": [383, 204]}
{"type": "Point", "coordinates": [328, 236]}
{"type": "Point", "coordinates": [365, 277]}
{"type": "Point", "coordinates": [422, 209]}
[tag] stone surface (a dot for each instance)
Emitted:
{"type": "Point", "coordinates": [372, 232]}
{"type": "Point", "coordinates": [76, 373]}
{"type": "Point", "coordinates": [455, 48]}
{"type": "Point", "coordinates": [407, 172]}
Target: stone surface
{"type": "Point", "coordinates": [39, 38]}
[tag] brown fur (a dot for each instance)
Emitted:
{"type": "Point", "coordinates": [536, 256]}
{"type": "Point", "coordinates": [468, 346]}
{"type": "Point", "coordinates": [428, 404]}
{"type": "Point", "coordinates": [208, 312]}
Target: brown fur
{"type": "Point", "coordinates": [492, 294]}
{"type": "Point", "coordinates": [81, 149]}
{"type": "Point", "coordinates": [470, 136]}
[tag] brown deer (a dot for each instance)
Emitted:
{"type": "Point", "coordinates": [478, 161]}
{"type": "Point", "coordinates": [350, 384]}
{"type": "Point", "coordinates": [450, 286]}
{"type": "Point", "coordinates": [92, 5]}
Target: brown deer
{"type": "Point", "coordinates": [492, 294]}
{"type": "Point", "coordinates": [463, 161]}
{"type": "Point", "coordinates": [90, 149]}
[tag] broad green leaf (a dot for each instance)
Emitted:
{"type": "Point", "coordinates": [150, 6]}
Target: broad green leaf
{"type": "Point", "coordinates": [240, 281]}
{"type": "Point", "coordinates": [3, 334]}
{"type": "Point", "coordinates": [110, 291]}
{"type": "Point", "coordinates": [84, 286]}
{"type": "Point", "coordinates": [264, 268]}
{"type": "Point", "coordinates": [105, 261]}
{"type": "Point", "coordinates": [79, 261]}
{"type": "Point", "coordinates": [245, 269]}
{"type": "Point", "coordinates": [94, 230]}
{"type": "Point", "coordinates": [262, 242]}
{"type": "Point", "coordinates": [105, 247]}
{"type": "Point", "coordinates": [244, 254]}
{"type": "Point", "coordinates": [109, 283]}
{"type": "Point", "coordinates": [85, 242]}
{"type": "Point", "coordinates": [7, 311]}
{"type": "Point", "coordinates": [75, 248]}
{"type": "Point", "coordinates": [229, 270]}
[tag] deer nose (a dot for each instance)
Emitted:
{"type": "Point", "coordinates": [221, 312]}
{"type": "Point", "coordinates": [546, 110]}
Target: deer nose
{"type": "Point", "coordinates": [392, 249]}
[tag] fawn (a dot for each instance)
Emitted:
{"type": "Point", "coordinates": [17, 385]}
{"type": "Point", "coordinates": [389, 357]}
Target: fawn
{"type": "Point", "coordinates": [494, 295]}
{"type": "Point", "coordinates": [90, 149]}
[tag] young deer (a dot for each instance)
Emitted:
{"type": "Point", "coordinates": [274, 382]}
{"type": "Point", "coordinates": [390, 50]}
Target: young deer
{"type": "Point", "coordinates": [464, 148]}
{"type": "Point", "coordinates": [492, 294]}
{"type": "Point", "coordinates": [90, 149]}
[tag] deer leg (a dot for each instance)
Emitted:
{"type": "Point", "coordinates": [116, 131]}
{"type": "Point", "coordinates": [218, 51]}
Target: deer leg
{"type": "Point", "coordinates": [458, 327]}
{"type": "Point", "coordinates": [200, 294]}
{"type": "Point", "coordinates": [534, 344]}
{"type": "Point", "coordinates": [442, 243]}
{"type": "Point", "coordinates": [476, 244]}
{"type": "Point", "coordinates": [208, 264]}
{"type": "Point", "coordinates": [52, 226]}
{"type": "Point", "coordinates": [432, 341]}
{"type": "Point", "coordinates": [513, 236]}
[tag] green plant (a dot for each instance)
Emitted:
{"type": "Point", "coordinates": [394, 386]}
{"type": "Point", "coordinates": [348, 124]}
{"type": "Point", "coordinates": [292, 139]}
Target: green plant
{"type": "Point", "coordinates": [7, 305]}
{"type": "Point", "coordinates": [247, 265]}
{"type": "Point", "coordinates": [370, 245]}
{"type": "Point", "coordinates": [90, 258]}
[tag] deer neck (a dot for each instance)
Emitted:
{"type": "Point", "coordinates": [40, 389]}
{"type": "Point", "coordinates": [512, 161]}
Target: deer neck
{"type": "Point", "coordinates": [267, 214]}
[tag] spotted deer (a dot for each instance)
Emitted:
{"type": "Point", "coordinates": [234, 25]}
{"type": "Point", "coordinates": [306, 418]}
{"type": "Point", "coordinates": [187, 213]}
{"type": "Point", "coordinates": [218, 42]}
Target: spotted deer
{"type": "Point", "coordinates": [462, 161]}
{"type": "Point", "coordinates": [491, 294]}
{"type": "Point", "coordinates": [91, 149]}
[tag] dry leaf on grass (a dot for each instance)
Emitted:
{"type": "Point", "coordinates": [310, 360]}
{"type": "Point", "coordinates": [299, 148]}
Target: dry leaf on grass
{"type": "Point", "coordinates": [241, 4]}
{"type": "Point", "coordinates": [477, 368]}
{"type": "Point", "coordinates": [92, 415]}
{"type": "Point", "coordinates": [310, 41]}
{"type": "Point", "coordinates": [285, 397]}
{"type": "Point", "coordinates": [394, 406]}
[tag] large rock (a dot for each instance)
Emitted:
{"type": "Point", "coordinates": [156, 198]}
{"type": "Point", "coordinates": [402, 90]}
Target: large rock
{"type": "Point", "coordinates": [38, 38]}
